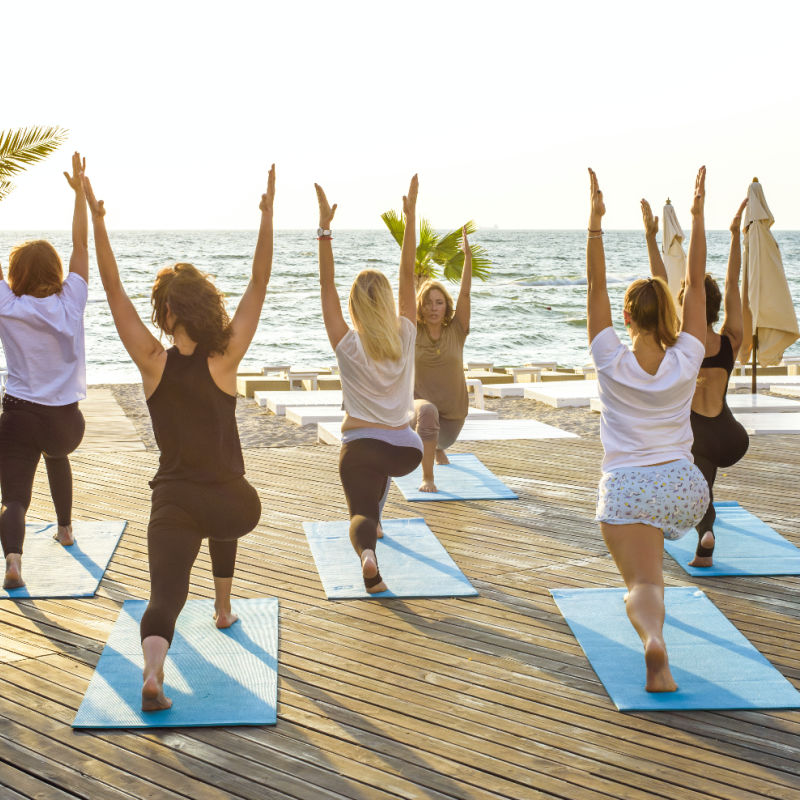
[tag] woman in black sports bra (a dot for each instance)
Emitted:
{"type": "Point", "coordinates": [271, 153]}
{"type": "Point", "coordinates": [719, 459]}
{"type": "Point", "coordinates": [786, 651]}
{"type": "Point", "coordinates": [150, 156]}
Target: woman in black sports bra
{"type": "Point", "coordinates": [719, 440]}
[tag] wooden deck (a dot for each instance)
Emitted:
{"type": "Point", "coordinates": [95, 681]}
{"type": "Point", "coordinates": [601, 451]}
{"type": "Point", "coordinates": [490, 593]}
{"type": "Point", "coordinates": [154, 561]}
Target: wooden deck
{"type": "Point", "coordinates": [487, 697]}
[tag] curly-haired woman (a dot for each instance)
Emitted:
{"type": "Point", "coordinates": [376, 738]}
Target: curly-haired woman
{"type": "Point", "coordinates": [199, 490]}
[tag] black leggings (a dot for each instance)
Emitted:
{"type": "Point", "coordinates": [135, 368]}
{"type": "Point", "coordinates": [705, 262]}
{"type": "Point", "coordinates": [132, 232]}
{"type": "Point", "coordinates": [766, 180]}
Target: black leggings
{"type": "Point", "coordinates": [718, 442]}
{"type": "Point", "coordinates": [182, 515]}
{"type": "Point", "coordinates": [28, 431]}
{"type": "Point", "coordinates": [365, 467]}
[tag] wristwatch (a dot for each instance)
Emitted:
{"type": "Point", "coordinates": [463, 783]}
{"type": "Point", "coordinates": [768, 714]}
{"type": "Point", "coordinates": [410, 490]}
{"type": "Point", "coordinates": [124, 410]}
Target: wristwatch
{"type": "Point", "coordinates": [323, 232]}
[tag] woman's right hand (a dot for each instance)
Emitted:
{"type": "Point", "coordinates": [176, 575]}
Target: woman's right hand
{"type": "Point", "coordinates": [736, 225]}
{"type": "Point", "coordinates": [598, 206]}
{"type": "Point", "coordinates": [95, 206]}
{"type": "Point", "coordinates": [325, 211]}
{"type": "Point", "coordinates": [78, 168]}
{"type": "Point", "coordinates": [410, 200]}
{"type": "Point", "coordinates": [268, 198]}
{"type": "Point", "coordinates": [650, 222]}
{"type": "Point", "coordinates": [698, 202]}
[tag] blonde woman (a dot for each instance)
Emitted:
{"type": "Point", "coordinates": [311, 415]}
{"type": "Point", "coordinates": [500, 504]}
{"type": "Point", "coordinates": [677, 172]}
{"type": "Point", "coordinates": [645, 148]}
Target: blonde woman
{"type": "Point", "coordinates": [650, 489]}
{"type": "Point", "coordinates": [376, 364]}
{"type": "Point", "coordinates": [440, 389]}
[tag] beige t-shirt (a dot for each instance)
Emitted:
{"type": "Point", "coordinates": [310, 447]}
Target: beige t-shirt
{"type": "Point", "coordinates": [439, 370]}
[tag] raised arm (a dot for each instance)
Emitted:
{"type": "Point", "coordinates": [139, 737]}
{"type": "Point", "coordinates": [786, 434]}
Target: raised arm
{"type": "Point", "coordinates": [406, 292]}
{"type": "Point", "coordinates": [598, 307]}
{"type": "Point", "coordinates": [248, 312]}
{"type": "Point", "coordinates": [332, 315]}
{"type": "Point", "coordinates": [733, 324]}
{"type": "Point", "coordinates": [464, 302]}
{"type": "Point", "coordinates": [146, 351]}
{"type": "Point", "coordinates": [694, 297]}
{"type": "Point", "coordinates": [79, 260]}
{"type": "Point", "coordinates": [657, 268]}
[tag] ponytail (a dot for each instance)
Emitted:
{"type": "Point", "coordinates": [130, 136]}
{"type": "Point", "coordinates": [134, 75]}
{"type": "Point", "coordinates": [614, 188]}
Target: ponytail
{"type": "Point", "coordinates": [650, 304]}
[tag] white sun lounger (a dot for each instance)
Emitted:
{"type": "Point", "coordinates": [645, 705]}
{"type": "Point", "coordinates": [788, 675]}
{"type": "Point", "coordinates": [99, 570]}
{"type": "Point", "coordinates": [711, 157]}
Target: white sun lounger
{"type": "Point", "coordinates": [475, 430]}
{"type": "Point", "coordinates": [787, 390]}
{"type": "Point", "coordinates": [764, 382]}
{"type": "Point", "coordinates": [309, 415]}
{"type": "Point", "coordinates": [505, 389]}
{"type": "Point", "coordinates": [762, 423]}
{"type": "Point", "coordinates": [745, 403]}
{"type": "Point", "coordinates": [561, 394]}
{"type": "Point", "coordinates": [278, 400]}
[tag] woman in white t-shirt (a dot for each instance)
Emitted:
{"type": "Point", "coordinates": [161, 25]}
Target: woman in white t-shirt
{"type": "Point", "coordinates": [376, 364]}
{"type": "Point", "coordinates": [41, 328]}
{"type": "Point", "coordinates": [650, 488]}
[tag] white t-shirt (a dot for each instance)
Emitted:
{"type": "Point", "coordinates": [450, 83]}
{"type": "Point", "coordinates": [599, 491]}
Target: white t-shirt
{"type": "Point", "coordinates": [645, 418]}
{"type": "Point", "coordinates": [43, 342]}
{"type": "Point", "coordinates": [378, 391]}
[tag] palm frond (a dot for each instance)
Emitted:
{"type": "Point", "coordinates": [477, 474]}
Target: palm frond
{"type": "Point", "coordinates": [450, 257]}
{"type": "Point", "coordinates": [21, 147]}
{"type": "Point", "coordinates": [5, 189]}
{"type": "Point", "coordinates": [396, 225]}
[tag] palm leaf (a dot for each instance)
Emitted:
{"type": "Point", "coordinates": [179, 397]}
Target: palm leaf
{"type": "Point", "coordinates": [5, 188]}
{"type": "Point", "coordinates": [396, 225]}
{"type": "Point", "coordinates": [450, 257]}
{"type": "Point", "coordinates": [22, 147]}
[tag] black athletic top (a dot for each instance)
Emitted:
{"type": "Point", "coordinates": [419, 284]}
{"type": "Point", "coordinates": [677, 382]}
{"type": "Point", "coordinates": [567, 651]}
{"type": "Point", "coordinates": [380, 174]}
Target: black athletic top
{"type": "Point", "coordinates": [723, 359]}
{"type": "Point", "coordinates": [194, 423]}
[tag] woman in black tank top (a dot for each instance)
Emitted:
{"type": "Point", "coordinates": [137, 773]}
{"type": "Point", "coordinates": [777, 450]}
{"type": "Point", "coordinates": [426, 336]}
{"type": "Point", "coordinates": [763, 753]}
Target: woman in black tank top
{"type": "Point", "coordinates": [199, 490]}
{"type": "Point", "coordinates": [719, 441]}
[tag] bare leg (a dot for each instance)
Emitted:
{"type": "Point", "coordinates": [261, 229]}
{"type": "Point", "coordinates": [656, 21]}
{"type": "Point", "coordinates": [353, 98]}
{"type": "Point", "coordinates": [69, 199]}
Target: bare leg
{"type": "Point", "coordinates": [369, 569]}
{"type": "Point", "coordinates": [154, 649]}
{"type": "Point", "coordinates": [13, 577]}
{"type": "Point", "coordinates": [441, 457]}
{"type": "Point", "coordinates": [428, 453]}
{"type": "Point", "coordinates": [64, 535]}
{"type": "Point", "coordinates": [223, 615]}
{"type": "Point", "coordinates": [638, 551]}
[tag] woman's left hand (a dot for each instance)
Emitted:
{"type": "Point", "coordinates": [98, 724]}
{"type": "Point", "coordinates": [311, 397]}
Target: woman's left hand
{"type": "Point", "coordinates": [598, 206]}
{"type": "Point", "coordinates": [737, 220]}
{"type": "Point", "coordinates": [465, 244]}
{"type": "Point", "coordinates": [95, 206]}
{"type": "Point", "coordinates": [650, 222]}
{"type": "Point", "coordinates": [698, 202]}
{"type": "Point", "coordinates": [267, 199]}
{"type": "Point", "coordinates": [78, 168]}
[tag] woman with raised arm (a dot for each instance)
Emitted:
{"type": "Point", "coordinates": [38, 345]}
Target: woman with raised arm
{"type": "Point", "coordinates": [441, 401]}
{"type": "Point", "coordinates": [376, 364]}
{"type": "Point", "coordinates": [199, 490]}
{"type": "Point", "coordinates": [41, 327]}
{"type": "Point", "coordinates": [719, 439]}
{"type": "Point", "coordinates": [650, 489]}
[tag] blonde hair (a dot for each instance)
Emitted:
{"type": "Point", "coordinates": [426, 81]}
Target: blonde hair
{"type": "Point", "coordinates": [373, 312]}
{"type": "Point", "coordinates": [34, 268]}
{"type": "Point", "coordinates": [650, 304]}
{"type": "Point", "coordinates": [422, 297]}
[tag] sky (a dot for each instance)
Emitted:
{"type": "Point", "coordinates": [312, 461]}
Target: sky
{"type": "Point", "coordinates": [180, 107]}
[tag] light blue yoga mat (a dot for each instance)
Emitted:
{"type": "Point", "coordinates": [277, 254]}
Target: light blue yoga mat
{"type": "Point", "coordinates": [744, 546]}
{"type": "Point", "coordinates": [213, 677]}
{"type": "Point", "coordinates": [464, 478]}
{"type": "Point", "coordinates": [714, 666]}
{"type": "Point", "coordinates": [411, 559]}
{"type": "Point", "coordinates": [52, 570]}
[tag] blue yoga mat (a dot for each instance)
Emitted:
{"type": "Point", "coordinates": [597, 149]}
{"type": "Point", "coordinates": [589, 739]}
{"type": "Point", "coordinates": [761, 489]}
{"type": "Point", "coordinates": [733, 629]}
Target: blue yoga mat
{"type": "Point", "coordinates": [411, 559]}
{"type": "Point", "coordinates": [52, 570]}
{"type": "Point", "coordinates": [464, 478]}
{"type": "Point", "coordinates": [714, 666]}
{"type": "Point", "coordinates": [745, 546]}
{"type": "Point", "coordinates": [213, 677]}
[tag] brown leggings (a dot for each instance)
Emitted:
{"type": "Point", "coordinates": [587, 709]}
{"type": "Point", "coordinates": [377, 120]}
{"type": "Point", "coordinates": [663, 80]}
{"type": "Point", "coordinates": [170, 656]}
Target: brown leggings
{"type": "Point", "coordinates": [365, 467]}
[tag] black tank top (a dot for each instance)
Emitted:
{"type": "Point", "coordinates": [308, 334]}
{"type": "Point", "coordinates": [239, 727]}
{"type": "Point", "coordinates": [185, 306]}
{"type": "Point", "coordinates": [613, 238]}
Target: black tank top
{"type": "Point", "coordinates": [194, 423]}
{"type": "Point", "coordinates": [723, 359]}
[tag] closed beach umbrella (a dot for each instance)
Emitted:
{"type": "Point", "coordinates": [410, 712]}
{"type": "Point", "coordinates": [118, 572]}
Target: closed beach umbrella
{"type": "Point", "coordinates": [672, 249]}
{"type": "Point", "coordinates": [770, 322]}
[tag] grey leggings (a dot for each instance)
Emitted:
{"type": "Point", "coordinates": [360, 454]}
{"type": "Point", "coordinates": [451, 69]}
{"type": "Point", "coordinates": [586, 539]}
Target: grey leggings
{"type": "Point", "coordinates": [432, 427]}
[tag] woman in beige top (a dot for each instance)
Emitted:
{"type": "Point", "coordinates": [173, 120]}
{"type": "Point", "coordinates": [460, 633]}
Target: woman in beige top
{"type": "Point", "coordinates": [440, 390]}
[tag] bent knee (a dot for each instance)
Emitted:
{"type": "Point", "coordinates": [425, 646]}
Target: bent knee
{"type": "Point", "coordinates": [428, 421]}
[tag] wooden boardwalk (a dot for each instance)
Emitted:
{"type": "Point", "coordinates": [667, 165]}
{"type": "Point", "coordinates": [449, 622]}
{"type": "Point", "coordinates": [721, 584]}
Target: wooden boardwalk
{"type": "Point", "coordinates": [487, 697]}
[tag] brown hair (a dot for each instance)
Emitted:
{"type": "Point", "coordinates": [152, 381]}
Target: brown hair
{"type": "Point", "coordinates": [34, 268]}
{"type": "Point", "coordinates": [196, 304]}
{"type": "Point", "coordinates": [652, 308]}
{"type": "Point", "coordinates": [713, 298]}
{"type": "Point", "coordinates": [422, 296]}
{"type": "Point", "coordinates": [374, 314]}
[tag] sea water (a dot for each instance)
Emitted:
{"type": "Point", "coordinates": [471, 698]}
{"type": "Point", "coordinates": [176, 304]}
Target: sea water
{"type": "Point", "coordinates": [532, 307]}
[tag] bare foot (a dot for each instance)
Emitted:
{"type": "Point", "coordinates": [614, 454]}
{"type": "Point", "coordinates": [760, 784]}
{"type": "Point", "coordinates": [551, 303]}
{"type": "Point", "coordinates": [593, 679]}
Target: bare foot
{"type": "Point", "coordinates": [659, 677]}
{"type": "Point", "coordinates": [380, 531]}
{"type": "Point", "coordinates": [13, 578]}
{"type": "Point", "coordinates": [428, 486]}
{"type": "Point", "coordinates": [224, 619]}
{"type": "Point", "coordinates": [369, 569]}
{"type": "Point", "coordinates": [708, 542]}
{"type": "Point", "coordinates": [64, 535]}
{"type": "Point", "coordinates": [153, 697]}
{"type": "Point", "coordinates": [441, 457]}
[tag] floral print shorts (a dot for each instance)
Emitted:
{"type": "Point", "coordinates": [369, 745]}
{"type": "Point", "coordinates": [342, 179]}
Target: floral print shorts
{"type": "Point", "coordinates": [672, 496]}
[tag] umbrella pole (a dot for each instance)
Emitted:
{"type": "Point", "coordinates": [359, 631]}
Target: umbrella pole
{"type": "Point", "coordinates": [753, 370]}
